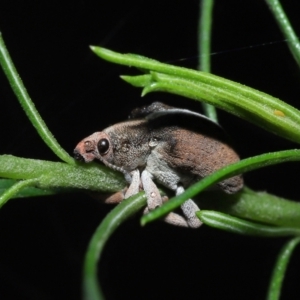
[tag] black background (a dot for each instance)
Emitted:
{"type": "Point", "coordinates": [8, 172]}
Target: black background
{"type": "Point", "coordinates": [43, 240]}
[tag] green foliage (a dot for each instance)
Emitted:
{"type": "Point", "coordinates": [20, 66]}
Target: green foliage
{"type": "Point", "coordinates": [55, 177]}
{"type": "Point", "coordinates": [235, 225]}
{"type": "Point", "coordinates": [122, 212]}
{"type": "Point", "coordinates": [31, 177]}
{"type": "Point", "coordinates": [254, 106]}
{"type": "Point", "coordinates": [280, 268]}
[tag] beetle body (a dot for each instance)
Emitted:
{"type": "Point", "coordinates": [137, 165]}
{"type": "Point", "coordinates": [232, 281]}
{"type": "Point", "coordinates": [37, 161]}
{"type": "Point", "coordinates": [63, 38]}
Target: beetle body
{"type": "Point", "coordinates": [174, 147]}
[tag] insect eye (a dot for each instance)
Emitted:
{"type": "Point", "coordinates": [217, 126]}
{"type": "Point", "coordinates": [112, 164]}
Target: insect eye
{"type": "Point", "coordinates": [103, 146]}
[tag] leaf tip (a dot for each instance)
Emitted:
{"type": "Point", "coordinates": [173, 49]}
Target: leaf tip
{"type": "Point", "coordinates": [145, 91]}
{"type": "Point", "coordinates": [126, 78]}
{"type": "Point", "coordinates": [93, 48]}
{"type": "Point", "coordinates": [144, 220]}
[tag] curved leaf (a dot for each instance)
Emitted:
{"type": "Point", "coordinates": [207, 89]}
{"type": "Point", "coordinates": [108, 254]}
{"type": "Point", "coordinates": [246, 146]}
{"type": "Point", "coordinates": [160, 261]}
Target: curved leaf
{"type": "Point", "coordinates": [280, 268]}
{"type": "Point", "coordinates": [254, 106]}
{"type": "Point", "coordinates": [128, 207]}
{"type": "Point", "coordinates": [232, 224]}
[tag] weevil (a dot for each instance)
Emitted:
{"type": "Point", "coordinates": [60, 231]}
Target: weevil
{"type": "Point", "coordinates": [171, 146]}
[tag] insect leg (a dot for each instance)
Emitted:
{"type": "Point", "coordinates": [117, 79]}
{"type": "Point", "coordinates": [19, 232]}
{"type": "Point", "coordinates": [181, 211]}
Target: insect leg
{"type": "Point", "coordinates": [152, 193]}
{"type": "Point", "coordinates": [189, 209]}
{"type": "Point", "coordinates": [133, 188]}
{"type": "Point", "coordinates": [172, 219]}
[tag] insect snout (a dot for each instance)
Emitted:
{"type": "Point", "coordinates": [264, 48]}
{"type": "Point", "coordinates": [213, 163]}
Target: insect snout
{"type": "Point", "coordinates": [84, 151]}
{"type": "Point", "coordinates": [77, 155]}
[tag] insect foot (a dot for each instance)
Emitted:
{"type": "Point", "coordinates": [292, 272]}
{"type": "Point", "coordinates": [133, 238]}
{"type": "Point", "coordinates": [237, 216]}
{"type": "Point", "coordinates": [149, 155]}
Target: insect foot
{"type": "Point", "coordinates": [171, 146]}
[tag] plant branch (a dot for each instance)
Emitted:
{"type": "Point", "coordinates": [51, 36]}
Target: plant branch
{"type": "Point", "coordinates": [88, 177]}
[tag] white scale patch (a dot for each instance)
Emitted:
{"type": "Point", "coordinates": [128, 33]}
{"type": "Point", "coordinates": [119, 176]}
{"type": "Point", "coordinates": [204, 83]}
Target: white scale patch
{"type": "Point", "coordinates": [159, 169]}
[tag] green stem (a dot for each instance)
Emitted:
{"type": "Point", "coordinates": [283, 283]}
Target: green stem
{"type": "Point", "coordinates": [127, 208]}
{"type": "Point", "coordinates": [286, 28]}
{"type": "Point", "coordinates": [91, 177]}
{"type": "Point", "coordinates": [280, 268]}
{"type": "Point", "coordinates": [256, 206]}
{"type": "Point", "coordinates": [204, 42]}
{"type": "Point", "coordinates": [28, 106]}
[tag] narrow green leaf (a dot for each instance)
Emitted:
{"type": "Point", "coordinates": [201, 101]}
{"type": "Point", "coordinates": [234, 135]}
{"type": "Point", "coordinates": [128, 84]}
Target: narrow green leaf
{"type": "Point", "coordinates": [204, 41]}
{"type": "Point", "coordinates": [138, 81]}
{"type": "Point", "coordinates": [286, 28]}
{"type": "Point", "coordinates": [259, 207]}
{"type": "Point", "coordinates": [92, 177]}
{"type": "Point", "coordinates": [127, 208]}
{"type": "Point", "coordinates": [13, 190]}
{"type": "Point", "coordinates": [232, 224]}
{"type": "Point", "coordinates": [257, 107]}
{"type": "Point", "coordinates": [271, 115]}
{"type": "Point", "coordinates": [280, 269]}
{"type": "Point", "coordinates": [25, 191]}
{"type": "Point", "coordinates": [28, 106]}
